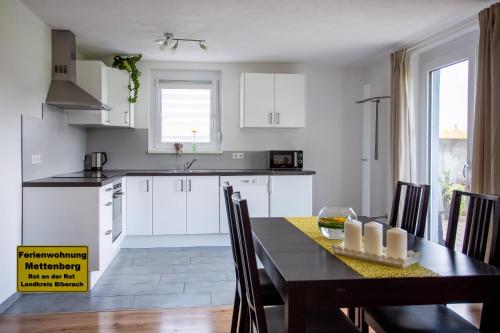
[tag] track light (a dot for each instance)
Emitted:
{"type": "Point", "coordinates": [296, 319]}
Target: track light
{"type": "Point", "coordinates": [169, 42]}
{"type": "Point", "coordinates": [203, 46]}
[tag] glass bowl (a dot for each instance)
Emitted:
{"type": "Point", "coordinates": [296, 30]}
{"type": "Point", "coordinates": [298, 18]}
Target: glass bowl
{"type": "Point", "coordinates": [331, 221]}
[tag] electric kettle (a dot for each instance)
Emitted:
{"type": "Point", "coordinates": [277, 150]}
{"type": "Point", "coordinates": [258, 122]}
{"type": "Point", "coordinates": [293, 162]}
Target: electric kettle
{"type": "Point", "coordinates": [94, 161]}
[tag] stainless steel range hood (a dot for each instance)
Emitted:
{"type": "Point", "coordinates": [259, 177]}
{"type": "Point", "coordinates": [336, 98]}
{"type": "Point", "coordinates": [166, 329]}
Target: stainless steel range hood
{"type": "Point", "coordinates": [63, 91]}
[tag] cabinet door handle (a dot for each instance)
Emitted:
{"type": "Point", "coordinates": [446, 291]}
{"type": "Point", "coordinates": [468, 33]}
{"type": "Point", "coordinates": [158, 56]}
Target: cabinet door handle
{"type": "Point", "coordinates": [277, 118]}
{"type": "Point", "coordinates": [126, 117]}
{"type": "Point", "coordinates": [182, 185]}
{"type": "Point", "coordinates": [109, 189]}
{"type": "Point", "coordinates": [107, 204]}
{"type": "Point", "coordinates": [108, 232]}
{"type": "Point", "coordinates": [147, 185]}
{"type": "Point", "coordinates": [270, 118]}
{"type": "Point", "coordinates": [189, 185]}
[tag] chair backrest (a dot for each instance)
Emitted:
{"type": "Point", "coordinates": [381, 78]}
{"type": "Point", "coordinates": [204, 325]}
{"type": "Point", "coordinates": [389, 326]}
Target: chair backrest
{"type": "Point", "coordinates": [250, 273]}
{"type": "Point", "coordinates": [483, 212]}
{"type": "Point", "coordinates": [233, 235]}
{"type": "Point", "coordinates": [415, 207]}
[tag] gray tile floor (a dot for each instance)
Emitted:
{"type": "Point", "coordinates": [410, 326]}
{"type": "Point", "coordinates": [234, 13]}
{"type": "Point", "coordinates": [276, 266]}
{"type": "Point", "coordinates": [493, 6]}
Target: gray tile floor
{"type": "Point", "coordinates": [148, 278]}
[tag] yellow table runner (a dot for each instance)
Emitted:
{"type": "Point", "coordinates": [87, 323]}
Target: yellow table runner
{"type": "Point", "coordinates": [309, 226]}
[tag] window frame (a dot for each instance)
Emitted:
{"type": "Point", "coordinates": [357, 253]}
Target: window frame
{"type": "Point", "coordinates": [184, 77]}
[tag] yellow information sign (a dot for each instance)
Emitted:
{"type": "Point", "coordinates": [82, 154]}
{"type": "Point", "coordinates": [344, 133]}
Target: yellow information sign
{"type": "Point", "coordinates": [52, 268]}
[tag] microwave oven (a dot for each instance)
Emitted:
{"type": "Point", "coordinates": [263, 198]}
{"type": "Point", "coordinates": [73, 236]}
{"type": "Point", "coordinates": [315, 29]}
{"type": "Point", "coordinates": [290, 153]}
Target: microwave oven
{"type": "Point", "coordinates": [285, 159]}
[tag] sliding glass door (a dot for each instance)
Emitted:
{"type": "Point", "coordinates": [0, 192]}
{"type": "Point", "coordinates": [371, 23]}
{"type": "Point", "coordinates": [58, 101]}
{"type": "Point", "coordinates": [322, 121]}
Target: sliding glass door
{"type": "Point", "coordinates": [450, 140]}
{"type": "Point", "coordinates": [444, 126]}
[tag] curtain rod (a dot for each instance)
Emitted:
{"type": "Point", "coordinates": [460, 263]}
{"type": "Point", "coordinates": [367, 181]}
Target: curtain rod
{"type": "Point", "coordinates": [375, 99]}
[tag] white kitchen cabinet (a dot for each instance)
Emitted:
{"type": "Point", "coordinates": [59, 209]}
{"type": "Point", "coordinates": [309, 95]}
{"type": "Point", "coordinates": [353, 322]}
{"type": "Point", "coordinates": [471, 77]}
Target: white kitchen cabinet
{"type": "Point", "coordinates": [257, 100]}
{"type": "Point", "coordinates": [252, 188]}
{"type": "Point", "coordinates": [110, 86]}
{"type": "Point", "coordinates": [272, 100]}
{"type": "Point", "coordinates": [139, 205]}
{"type": "Point", "coordinates": [290, 100]}
{"type": "Point", "coordinates": [71, 216]}
{"type": "Point", "coordinates": [202, 213]}
{"type": "Point", "coordinates": [118, 93]}
{"type": "Point", "coordinates": [105, 225]}
{"type": "Point", "coordinates": [290, 195]}
{"type": "Point", "coordinates": [169, 205]}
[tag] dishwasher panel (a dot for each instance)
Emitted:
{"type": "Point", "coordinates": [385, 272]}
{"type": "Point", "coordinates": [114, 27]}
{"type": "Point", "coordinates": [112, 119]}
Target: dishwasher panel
{"type": "Point", "coordinates": [252, 188]}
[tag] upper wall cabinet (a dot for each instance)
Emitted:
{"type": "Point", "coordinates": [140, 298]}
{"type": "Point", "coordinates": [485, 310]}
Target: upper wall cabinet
{"type": "Point", "coordinates": [109, 85]}
{"type": "Point", "coordinates": [272, 100]}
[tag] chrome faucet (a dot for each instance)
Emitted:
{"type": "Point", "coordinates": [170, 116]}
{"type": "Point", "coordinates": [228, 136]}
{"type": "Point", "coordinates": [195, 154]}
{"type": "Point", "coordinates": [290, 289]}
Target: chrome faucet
{"type": "Point", "coordinates": [189, 164]}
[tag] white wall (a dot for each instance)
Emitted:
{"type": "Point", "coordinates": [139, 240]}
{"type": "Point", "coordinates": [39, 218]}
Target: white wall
{"type": "Point", "coordinates": [377, 75]}
{"type": "Point", "coordinates": [331, 140]}
{"type": "Point", "coordinates": [24, 81]}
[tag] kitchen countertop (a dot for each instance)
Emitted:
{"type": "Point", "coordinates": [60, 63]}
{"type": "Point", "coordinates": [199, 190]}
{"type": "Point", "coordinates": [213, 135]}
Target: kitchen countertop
{"type": "Point", "coordinates": [112, 175]}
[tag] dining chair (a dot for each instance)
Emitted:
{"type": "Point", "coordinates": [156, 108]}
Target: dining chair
{"type": "Point", "coordinates": [271, 296]}
{"type": "Point", "coordinates": [482, 220]}
{"type": "Point", "coordinates": [264, 319]}
{"type": "Point", "coordinates": [415, 206]}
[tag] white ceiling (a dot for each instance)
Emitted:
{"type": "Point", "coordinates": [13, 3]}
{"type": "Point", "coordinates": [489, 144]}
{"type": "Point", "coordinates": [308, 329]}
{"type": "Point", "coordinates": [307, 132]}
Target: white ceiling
{"type": "Point", "coordinates": [335, 31]}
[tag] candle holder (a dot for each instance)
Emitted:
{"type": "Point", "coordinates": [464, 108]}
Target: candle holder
{"type": "Point", "coordinates": [331, 221]}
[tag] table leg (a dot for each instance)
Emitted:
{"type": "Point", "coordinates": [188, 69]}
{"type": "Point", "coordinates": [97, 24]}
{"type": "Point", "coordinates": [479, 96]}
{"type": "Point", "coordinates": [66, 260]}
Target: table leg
{"type": "Point", "coordinates": [295, 312]}
{"type": "Point", "coordinates": [489, 317]}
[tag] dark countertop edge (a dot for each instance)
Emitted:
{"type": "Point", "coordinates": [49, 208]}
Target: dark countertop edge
{"type": "Point", "coordinates": [87, 182]}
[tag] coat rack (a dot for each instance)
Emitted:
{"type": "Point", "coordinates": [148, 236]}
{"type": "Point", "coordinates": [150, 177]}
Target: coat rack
{"type": "Point", "coordinates": [375, 100]}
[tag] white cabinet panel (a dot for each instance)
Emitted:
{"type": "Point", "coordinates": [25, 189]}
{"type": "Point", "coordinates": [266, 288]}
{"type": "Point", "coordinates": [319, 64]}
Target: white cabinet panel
{"type": "Point", "coordinates": [257, 100]}
{"type": "Point", "coordinates": [169, 205]}
{"type": "Point", "coordinates": [105, 225]}
{"type": "Point", "coordinates": [118, 97]}
{"type": "Point", "coordinates": [202, 204]}
{"type": "Point", "coordinates": [291, 196]}
{"type": "Point", "coordinates": [139, 205]}
{"type": "Point", "coordinates": [290, 101]}
{"type": "Point", "coordinates": [252, 188]}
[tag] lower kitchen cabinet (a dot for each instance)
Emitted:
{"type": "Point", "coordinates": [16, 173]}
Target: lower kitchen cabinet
{"type": "Point", "coordinates": [290, 196]}
{"type": "Point", "coordinates": [202, 199]}
{"type": "Point", "coordinates": [185, 205]}
{"type": "Point", "coordinates": [71, 216]}
{"type": "Point", "coordinates": [139, 206]}
{"type": "Point", "coordinates": [169, 205]}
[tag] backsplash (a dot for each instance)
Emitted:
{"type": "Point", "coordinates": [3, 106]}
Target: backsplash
{"type": "Point", "coordinates": [60, 146]}
{"type": "Point", "coordinates": [126, 149]}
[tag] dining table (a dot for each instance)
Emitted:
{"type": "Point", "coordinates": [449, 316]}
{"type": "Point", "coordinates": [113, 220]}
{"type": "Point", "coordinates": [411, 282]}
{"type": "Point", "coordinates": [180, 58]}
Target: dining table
{"type": "Point", "coordinates": [307, 276]}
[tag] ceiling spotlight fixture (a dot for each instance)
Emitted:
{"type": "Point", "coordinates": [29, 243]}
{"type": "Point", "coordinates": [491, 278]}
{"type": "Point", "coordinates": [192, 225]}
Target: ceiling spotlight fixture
{"type": "Point", "coordinates": [171, 43]}
{"type": "Point", "coordinates": [203, 46]}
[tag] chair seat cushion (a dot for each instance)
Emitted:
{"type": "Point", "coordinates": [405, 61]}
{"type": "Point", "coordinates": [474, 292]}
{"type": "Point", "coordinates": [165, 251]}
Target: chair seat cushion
{"type": "Point", "coordinates": [270, 295]}
{"type": "Point", "coordinates": [416, 318]}
{"type": "Point", "coordinates": [316, 322]}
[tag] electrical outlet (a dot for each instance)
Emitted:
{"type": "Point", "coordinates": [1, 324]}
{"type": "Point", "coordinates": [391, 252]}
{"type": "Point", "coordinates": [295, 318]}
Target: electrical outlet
{"type": "Point", "coordinates": [238, 156]}
{"type": "Point", "coordinates": [36, 159]}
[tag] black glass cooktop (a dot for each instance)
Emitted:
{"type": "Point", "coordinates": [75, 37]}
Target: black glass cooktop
{"type": "Point", "coordinates": [83, 174]}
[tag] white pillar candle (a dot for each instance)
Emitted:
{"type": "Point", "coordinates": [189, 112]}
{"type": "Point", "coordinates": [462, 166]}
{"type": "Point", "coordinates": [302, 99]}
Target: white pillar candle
{"type": "Point", "coordinates": [397, 243]}
{"type": "Point", "coordinates": [352, 235]}
{"type": "Point", "coordinates": [373, 238]}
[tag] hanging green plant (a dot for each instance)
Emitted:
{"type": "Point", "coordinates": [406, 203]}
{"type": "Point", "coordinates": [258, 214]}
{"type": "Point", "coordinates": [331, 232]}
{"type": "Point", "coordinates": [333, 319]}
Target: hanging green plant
{"type": "Point", "coordinates": [128, 64]}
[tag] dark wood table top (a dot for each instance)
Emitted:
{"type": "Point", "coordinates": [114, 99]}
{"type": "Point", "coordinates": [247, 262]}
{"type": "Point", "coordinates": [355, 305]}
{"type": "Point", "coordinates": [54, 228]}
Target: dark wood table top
{"type": "Point", "coordinates": [292, 259]}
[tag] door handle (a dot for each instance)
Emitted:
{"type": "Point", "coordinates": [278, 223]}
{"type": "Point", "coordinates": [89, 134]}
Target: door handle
{"type": "Point", "coordinates": [107, 204]}
{"type": "Point", "coordinates": [147, 185]}
{"type": "Point", "coordinates": [464, 170]}
{"type": "Point", "coordinates": [277, 118]}
{"type": "Point", "coordinates": [189, 185]}
{"type": "Point", "coordinates": [182, 185]}
{"type": "Point", "coordinates": [108, 232]}
{"type": "Point", "coordinates": [126, 117]}
{"type": "Point", "coordinates": [270, 118]}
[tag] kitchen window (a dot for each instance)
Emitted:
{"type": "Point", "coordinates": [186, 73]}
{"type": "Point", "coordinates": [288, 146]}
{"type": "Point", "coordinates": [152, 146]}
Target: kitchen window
{"type": "Point", "coordinates": [185, 109]}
